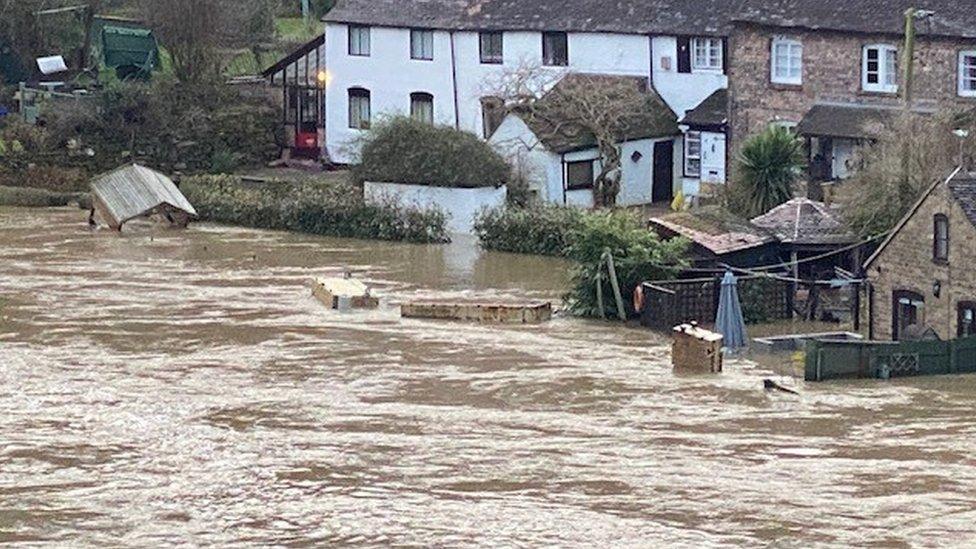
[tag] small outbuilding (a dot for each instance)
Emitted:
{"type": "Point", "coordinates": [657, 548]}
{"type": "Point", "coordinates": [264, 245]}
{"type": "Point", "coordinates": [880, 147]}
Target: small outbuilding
{"type": "Point", "coordinates": [136, 191]}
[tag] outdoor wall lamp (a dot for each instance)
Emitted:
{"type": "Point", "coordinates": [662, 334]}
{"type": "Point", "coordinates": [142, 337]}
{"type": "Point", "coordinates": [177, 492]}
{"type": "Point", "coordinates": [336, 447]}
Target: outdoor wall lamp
{"type": "Point", "coordinates": [937, 288]}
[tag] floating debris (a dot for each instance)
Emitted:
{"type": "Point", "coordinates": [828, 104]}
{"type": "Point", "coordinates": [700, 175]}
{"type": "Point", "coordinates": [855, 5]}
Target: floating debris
{"type": "Point", "coordinates": [532, 312]}
{"type": "Point", "coordinates": [696, 350]}
{"type": "Point", "coordinates": [135, 191]}
{"type": "Point", "coordinates": [344, 293]}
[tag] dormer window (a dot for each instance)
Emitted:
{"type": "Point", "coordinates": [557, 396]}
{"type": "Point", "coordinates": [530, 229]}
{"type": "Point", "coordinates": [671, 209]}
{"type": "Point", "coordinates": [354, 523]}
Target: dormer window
{"type": "Point", "coordinates": [880, 69]}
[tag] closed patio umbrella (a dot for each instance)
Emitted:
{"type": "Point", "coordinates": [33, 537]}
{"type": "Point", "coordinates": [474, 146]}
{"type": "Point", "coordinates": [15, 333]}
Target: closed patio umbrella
{"type": "Point", "coordinates": [729, 321]}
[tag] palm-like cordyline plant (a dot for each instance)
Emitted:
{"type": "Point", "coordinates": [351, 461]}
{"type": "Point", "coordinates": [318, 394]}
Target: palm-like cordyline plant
{"type": "Point", "coordinates": [768, 165]}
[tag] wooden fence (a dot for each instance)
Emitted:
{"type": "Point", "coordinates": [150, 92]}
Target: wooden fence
{"type": "Point", "coordinates": [670, 303]}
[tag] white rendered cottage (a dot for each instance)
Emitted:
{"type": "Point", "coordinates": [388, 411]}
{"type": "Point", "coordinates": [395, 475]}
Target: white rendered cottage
{"type": "Point", "coordinates": [560, 162]}
{"type": "Point", "coordinates": [439, 60]}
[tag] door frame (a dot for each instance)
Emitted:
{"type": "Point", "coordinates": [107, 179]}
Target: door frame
{"type": "Point", "coordinates": [896, 297]}
{"type": "Point", "coordinates": [664, 144]}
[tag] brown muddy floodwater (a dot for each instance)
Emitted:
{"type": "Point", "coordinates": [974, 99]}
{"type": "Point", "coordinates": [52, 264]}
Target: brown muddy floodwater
{"type": "Point", "coordinates": [186, 389]}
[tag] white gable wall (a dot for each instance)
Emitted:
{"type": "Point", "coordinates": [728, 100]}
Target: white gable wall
{"type": "Point", "coordinates": [541, 168]}
{"type": "Point", "coordinates": [682, 91]}
{"type": "Point", "coordinates": [391, 76]}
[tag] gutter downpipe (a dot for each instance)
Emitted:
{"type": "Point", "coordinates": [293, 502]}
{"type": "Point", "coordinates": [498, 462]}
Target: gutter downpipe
{"type": "Point", "coordinates": [454, 82]}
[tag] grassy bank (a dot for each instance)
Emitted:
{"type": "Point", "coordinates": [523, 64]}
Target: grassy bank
{"type": "Point", "coordinates": [39, 198]}
{"type": "Point", "coordinates": [333, 210]}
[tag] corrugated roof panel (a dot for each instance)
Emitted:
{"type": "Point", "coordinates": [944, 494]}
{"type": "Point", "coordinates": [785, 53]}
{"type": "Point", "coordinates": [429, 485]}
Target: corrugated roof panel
{"type": "Point", "coordinates": [133, 191]}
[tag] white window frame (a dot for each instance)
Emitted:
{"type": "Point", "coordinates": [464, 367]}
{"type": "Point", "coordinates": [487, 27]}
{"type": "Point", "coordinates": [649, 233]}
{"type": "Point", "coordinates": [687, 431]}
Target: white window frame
{"type": "Point", "coordinates": [792, 72]}
{"type": "Point", "coordinates": [359, 40]}
{"type": "Point", "coordinates": [967, 62]}
{"type": "Point", "coordinates": [693, 137]}
{"type": "Point", "coordinates": [421, 45]}
{"type": "Point", "coordinates": [707, 54]}
{"type": "Point", "coordinates": [887, 72]}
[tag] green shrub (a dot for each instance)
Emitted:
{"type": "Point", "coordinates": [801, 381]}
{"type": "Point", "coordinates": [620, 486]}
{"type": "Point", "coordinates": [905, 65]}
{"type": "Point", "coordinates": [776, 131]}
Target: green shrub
{"type": "Point", "coordinates": [540, 229]}
{"type": "Point", "coordinates": [638, 255]}
{"type": "Point", "coordinates": [402, 150]}
{"type": "Point", "coordinates": [334, 210]}
{"type": "Point", "coordinates": [768, 166]}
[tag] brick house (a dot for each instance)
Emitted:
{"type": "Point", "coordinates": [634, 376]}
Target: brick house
{"type": "Point", "coordinates": [922, 274]}
{"type": "Point", "coordinates": [833, 70]}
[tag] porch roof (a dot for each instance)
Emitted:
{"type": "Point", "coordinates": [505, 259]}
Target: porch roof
{"type": "Point", "coordinates": [712, 112]}
{"type": "Point", "coordinates": [846, 121]}
{"type": "Point", "coordinates": [294, 57]}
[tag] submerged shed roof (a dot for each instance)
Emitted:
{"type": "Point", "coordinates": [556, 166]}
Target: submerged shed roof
{"type": "Point", "coordinates": [134, 191]}
{"type": "Point", "coordinates": [716, 230]}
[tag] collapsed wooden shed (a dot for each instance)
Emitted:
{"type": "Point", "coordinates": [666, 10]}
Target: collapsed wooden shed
{"type": "Point", "coordinates": [136, 191]}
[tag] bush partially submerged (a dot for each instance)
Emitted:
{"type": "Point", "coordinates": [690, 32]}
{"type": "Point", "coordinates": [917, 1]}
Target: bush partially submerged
{"type": "Point", "coordinates": [402, 150]}
{"type": "Point", "coordinates": [334, 210]}
{"type": "Point", "coordinates": [638, 255]}
{"type": "Point", "coordinates": [539, 229]}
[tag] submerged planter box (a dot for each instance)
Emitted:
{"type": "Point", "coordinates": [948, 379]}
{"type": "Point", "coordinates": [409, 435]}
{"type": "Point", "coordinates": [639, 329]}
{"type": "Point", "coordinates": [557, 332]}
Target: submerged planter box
{"type": "Point", "coordinates": [535, 312]}
{"type": "Point", "coordinates": [460, 204]}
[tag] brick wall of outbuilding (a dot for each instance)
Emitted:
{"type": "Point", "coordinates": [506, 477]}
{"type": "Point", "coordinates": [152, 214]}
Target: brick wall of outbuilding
{"type": "Point", "coordinates": [831, 73]}
{"type": "Point", "coordinates": [907, 264]}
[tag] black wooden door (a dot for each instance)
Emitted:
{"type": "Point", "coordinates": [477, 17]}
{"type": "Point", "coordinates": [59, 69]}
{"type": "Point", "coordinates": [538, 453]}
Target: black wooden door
{"type": "Point", "coordinates": [662, 186]}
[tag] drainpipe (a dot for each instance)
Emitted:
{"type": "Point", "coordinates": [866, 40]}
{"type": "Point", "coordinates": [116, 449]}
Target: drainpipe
{"type": "Point", "coordinates": [650, 71]}
{"type": "Point", "coordinates": [454, 83]}
{"type": "Point", "coordinates": [562, 182]}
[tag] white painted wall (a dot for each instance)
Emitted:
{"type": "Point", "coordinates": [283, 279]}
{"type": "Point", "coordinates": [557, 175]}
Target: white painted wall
{"type": "Point", "coordinates": [391, 76]}
{"type": "Point", "coordinates": [461, 205]}
{"type": "Point", "coordinates": [529, 158]}
{"type": "Point", "coordinates": [682, 91]}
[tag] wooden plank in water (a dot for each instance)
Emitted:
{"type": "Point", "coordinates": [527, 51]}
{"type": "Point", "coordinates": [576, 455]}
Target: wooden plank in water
{"type": "Point", "coordinates": [535, 312]}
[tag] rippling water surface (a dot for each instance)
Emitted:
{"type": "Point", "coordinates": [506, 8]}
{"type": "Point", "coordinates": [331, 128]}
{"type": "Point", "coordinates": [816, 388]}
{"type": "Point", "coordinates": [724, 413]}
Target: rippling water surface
{"type": "Point", "coordinates": [184, 388]}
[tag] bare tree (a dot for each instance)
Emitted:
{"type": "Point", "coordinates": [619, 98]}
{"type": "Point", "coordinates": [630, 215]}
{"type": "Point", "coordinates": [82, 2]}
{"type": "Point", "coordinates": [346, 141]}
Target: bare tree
{"type": "Point", "coordinates": [911, 153]}
{"type": "Point", "coordinates": [587, 109]}
{"type": "Point", "coordinates": [190, 31]}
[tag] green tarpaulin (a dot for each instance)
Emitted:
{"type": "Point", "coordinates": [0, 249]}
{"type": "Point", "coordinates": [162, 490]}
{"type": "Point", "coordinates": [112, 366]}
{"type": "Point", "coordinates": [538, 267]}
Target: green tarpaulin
{"type": "Point", "coordinates": [130, 51]}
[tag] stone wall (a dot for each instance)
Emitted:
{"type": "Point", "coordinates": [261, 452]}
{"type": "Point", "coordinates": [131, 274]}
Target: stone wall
{"type": "Point", "coordinates": [831, 73]}
{"type": "Point", "coordinates": [907, 264]}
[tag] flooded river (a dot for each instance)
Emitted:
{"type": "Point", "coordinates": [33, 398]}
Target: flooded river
{"type": "Point", "coordinates": [185, 389]}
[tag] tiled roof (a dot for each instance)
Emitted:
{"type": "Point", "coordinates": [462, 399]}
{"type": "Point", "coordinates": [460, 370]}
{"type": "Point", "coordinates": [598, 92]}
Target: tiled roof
{"type": "Point", "coordinates": [964, 192]}
{"type": "Point", "coordinates": [713, 111]}
{"type": "Point", "coordinates": [805, 221]}
{"type": "Point", "coordinates": [950, 18]}
{"type": "Point", "coordinates": [552, 129]}
{"type": "Point", "coordinates": [851, 121]}
{"type": "Point", "coordinates": [715, 230]}
{"type": "Point", "coordinates": [710, 17]}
